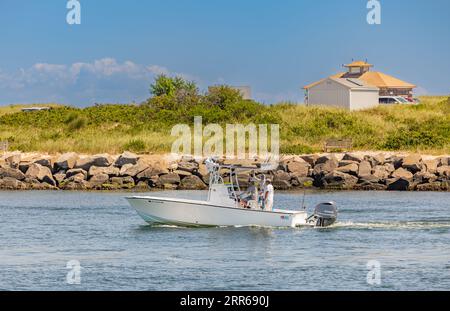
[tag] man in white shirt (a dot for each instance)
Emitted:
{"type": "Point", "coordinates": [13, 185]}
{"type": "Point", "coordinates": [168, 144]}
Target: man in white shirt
{"type": "Point", "coordinates": [268, 196]}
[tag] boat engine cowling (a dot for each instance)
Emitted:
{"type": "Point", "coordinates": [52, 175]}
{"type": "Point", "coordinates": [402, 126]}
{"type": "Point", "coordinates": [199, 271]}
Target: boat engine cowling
{"type": "Point", "coordinates": [325, 215]}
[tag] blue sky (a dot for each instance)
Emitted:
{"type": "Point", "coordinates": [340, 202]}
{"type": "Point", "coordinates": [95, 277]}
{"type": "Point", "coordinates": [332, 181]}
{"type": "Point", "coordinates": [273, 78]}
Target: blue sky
{"type": "Point", "coordinates": [274, 46]}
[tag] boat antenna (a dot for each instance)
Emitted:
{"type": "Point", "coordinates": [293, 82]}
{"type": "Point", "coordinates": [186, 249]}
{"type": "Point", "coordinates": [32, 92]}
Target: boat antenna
{"type": "Point", "coordinates": [306, 184]}
{"type": "Point", "coordinates": [304, 197]}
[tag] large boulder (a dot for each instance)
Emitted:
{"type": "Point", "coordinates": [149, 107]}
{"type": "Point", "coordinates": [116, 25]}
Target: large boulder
{"type": "Point", "coordinates": [370, 179]}
{"type": "Point", "coordinates": [352, 157]}
{"type": "Point", "coordinates": [281, 176]}
{"type": "Point", "coordinates": [192, 183]}
{"type": "Point", "coordinates": [190, 167]}
{"type": "Point", "coordinates": [13, 160]}
{"type": "Point", "coordinates": [398, 184]}
{"type": "Point", "coordinates": [298, 169]}
{"type": "Point", "coordinates": [351, 169]}
{"type": "Point", "coordinates": [133, 169]}
{"type": "Point", "coordinates": [282, 184]}
{"type": "Point", "coordinates": [369, 186]}
{"type": "Point", "coordinates": [9, 183]}
{"type": "Point", "coordinates": [390, 168]}
{"type": "Point", "coordinates": [99, 180]}
{"type": "Point", "coordinates": [11, 172]}
{"type": "Point", "coordinates": [75, 178]}
{"type": "Point", "coordinates": [431, 165]}
{"type": "Point", "coordinates": [424, 177]}
{"type": "Point", "coordinates": [66, 161]}
{"type": "Point", "coordinates": [110, 170]}
{"type": "Point", "coordinates": [338, 180]}
{"type": "Point", "coordinates": [365, 169]}
{"type": "Point", "coordinates": [100, 160]}
{"type": "Point", "coordinates": [325, 165]}
{"type": "Point", "coordinates": [151, 172]}
{"type": "Point", "coordinates": [375, 160]}
{"type": "Point", "coordinates": [310, 159]}
{"type": "Point", "coordinates": [402, 173]}
{"type": "Point", "coordinates": [123, 182]}
{"type": "Point", "coordinates": [182, 173]}
{"type": "Point", "coordinates": [444, 161]}
{"type": "Point", "coordinates": [380, 172]}
{"type": "Point", "coordinates": [77, 186]}
{"type": "Point", "coordinates": [170, 179]}
{"type": "Point", "coordinates": [47, 162]}
{"type": "Point", "coordinates": [126, 158]}
{"type": "Point", "coordinates": [76, 171]}
{"type": "Point", "coordinates": [443, 171]}
{"type": "Point", "coordinates": [59, 178]}
{"type": "Point", "coordinates": [43, 186]}
{"type": "Point", "coordinates": [202, 170]}
{"type": "Point", "coordinates": [41, 173]}
{"type": "Point", "coordinates": [142, 186]}
{"type": "Point", "coordinates": [346, 162]}
{"type": "Point", "coordinates": [24, 166]}
{"type": "Point", "coordinates": [326, 158]}
{"type": "Point", "coordinates": [159, 169]}
{"type": "Point", "coordinates": [396, 161]}
{"type": "Point", "coordinates": [413, 163]}
{"type": "Point", "coordinates": [431, 186]}
{"type": "Point", "coordinates": [302, 182]}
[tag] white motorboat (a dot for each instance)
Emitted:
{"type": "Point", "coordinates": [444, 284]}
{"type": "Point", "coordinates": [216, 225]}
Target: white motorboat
{"type": "Point", "coordinates": [227, 205]}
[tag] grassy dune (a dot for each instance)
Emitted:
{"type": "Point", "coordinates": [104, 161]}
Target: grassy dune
{"type": "Point", "coordinates": [144, 129]}
{"type": "Point", "coordinates": [18, 108]}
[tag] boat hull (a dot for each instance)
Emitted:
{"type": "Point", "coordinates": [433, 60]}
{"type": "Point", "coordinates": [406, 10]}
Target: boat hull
{"type": "Point", "coordinates": [186, 213]}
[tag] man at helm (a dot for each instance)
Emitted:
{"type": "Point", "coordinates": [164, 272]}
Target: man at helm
{"type": "Point", "coordinates": [268, 196]}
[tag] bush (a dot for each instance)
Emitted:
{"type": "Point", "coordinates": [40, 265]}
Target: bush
{"type": "Point", "coordinates": [135, 145]}
{"type": "Point", "coordinates": [429, 134]}
{"type": "Point", "coordinates": [296, 149]}
{"type": "Point", "coordinates": [76, 123]}
{"type": "Point", "coordinates": [222, 96]}
{"type": "Point", "coordinates": [167, 86]}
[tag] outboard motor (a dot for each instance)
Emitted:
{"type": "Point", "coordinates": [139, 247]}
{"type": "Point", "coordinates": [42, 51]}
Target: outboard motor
{"type": "Point", "coordinates": [325, 214]}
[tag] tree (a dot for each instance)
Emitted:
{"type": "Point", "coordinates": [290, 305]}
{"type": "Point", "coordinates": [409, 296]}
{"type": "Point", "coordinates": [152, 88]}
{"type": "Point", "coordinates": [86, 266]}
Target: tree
{"type": "Point", "coordinates": [223, 95]}
{"type": "Point", "coordinates": [171, 87]}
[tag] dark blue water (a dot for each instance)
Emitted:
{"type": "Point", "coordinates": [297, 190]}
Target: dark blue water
{"type": "Point", "coordinates": [408, 234]}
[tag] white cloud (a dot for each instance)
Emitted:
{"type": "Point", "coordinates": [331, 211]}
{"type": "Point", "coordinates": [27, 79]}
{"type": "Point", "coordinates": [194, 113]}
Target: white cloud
{"type": "Point", "coordinates": [81, 83]}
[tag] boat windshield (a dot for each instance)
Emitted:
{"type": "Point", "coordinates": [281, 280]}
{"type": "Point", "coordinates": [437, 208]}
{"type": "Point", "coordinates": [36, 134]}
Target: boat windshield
{"type": "Point", "coordinates": [255, 185]}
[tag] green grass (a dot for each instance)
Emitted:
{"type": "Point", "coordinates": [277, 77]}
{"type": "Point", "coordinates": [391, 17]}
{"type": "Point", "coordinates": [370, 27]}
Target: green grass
{"type": "Point", "coordinates": [17, 108]}
{"type": "Point", "coordinates": [146, 129]}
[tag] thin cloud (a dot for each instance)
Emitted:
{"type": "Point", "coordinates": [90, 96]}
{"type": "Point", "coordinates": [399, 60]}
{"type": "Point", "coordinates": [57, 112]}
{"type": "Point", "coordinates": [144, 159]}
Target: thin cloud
{"type": "Point", "coordinates": [81, 83]}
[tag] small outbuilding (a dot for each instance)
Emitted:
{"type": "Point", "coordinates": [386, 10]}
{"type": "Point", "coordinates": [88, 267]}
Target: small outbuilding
{"type": "Point", "coordinates": [346, 93]}
{"type": "Point", "coordinates": [358, 72]}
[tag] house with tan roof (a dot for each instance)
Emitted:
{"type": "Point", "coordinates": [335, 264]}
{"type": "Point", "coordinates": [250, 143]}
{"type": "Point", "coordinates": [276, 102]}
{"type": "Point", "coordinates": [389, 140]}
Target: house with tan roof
{"type": "Point", "coordinates": [359, 72]}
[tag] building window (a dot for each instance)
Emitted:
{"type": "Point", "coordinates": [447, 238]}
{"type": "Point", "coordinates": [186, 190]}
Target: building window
{"type": "Point", "coordinates": [355, 70]}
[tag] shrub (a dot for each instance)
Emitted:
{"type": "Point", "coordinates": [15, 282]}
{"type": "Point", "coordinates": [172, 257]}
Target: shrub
{"type": "Point", "coordinates": [135, 145]}
{"type": "Point", "coordinates": [169, 86]}
{"type": "Point", "coordinates": [296, 149]}
{"type": "Point", "coordinates": [76, 124]}
{"type": "Point", "coordinates": [222, 96]}
{"type": "Point", "coordinates": [428, 134]}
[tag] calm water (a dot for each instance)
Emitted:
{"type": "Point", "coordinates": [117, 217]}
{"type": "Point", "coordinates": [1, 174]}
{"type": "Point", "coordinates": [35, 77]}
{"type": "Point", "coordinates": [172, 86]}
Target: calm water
{"type": "Point", "coordinates": [407, 233]}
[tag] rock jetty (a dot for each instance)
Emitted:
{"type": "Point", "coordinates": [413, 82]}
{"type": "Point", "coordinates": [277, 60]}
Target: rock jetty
{"type": "Point", "coordinates": [350, 171]}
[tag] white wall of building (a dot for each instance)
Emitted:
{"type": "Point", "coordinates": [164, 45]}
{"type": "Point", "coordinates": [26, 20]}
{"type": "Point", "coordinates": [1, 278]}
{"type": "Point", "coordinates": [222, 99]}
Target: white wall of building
{"type": "Point", "coordinates": [343, 95]}
{"type": "Point", "coordinates": [329, 93]}
{"type": "Point", "coordinates": [364, 99]}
